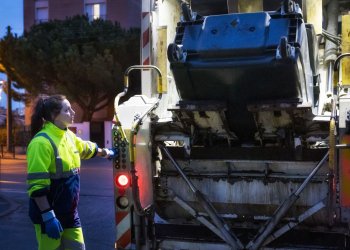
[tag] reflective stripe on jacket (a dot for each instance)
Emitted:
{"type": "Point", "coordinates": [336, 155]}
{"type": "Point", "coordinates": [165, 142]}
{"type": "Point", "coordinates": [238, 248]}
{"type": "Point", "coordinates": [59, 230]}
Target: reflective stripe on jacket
{"type": "Point", "coordinates": [53, 158]}
{"type": "Point", "coordinates": [41, 157]}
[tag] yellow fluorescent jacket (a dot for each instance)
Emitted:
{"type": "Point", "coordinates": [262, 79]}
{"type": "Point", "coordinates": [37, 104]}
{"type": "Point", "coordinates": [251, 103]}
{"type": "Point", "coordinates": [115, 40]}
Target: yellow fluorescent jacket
{"type": "Point", "coordinates": [41, 157]}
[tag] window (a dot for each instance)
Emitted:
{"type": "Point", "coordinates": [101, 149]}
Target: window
{"type": "Point", "coordinates": [41, 15]}
{"type": "Point", "coordinates": [41, 11]}
{"type": "Point", "coordinates": [95, 10]}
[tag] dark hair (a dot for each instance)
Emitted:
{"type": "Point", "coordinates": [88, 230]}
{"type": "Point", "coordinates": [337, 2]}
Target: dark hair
{"type": "Point", "coordinates": [45, 109]}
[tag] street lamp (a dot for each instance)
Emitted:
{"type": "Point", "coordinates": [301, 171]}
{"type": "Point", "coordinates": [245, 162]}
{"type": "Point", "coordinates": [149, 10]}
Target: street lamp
{"type": "Point", "coordinates": [1, 84]}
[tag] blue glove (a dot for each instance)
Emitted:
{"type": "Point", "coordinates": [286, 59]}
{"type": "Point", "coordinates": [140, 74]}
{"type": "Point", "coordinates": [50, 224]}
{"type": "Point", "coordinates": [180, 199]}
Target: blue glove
{"type": "Point", "coordinates": [110, 153]}
{"type": "Point", "coordinates": [53, 227]}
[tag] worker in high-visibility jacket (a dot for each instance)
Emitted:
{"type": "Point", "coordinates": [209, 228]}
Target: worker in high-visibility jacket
{"type": "Point", "coordinates": [53, 157]}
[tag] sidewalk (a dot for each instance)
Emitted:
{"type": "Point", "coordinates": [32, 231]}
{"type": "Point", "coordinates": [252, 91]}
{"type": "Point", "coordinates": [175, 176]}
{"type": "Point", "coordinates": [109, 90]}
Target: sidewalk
{"type": "Point", "coordinates": [11, 156]}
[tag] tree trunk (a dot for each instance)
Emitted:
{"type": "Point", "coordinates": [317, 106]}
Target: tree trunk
{"type": "Point", "coordinates": [9, 140]}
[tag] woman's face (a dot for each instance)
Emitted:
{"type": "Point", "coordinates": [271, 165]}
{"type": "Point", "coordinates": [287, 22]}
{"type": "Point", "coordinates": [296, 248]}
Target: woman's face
{"type": "Point", "coordinates": [66, 116]}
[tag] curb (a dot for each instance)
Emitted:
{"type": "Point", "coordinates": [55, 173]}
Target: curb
{"type": "Point", "coordinates": [12, 206]}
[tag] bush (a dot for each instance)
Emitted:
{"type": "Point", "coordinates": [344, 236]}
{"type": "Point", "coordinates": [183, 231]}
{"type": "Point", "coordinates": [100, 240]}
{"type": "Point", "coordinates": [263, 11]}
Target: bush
{"type": "Point", "coordinates": [3, 136]}
{"type": "Point", "coordinates": [21, 136]}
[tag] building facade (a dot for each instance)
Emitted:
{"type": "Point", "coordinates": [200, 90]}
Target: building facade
{"type": "Point", "coordinates": [126, 12]}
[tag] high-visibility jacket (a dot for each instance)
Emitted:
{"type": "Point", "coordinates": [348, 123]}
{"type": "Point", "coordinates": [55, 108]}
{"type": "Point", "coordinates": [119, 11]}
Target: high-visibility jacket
{"type": "Point", "coordinates": [53, 158]}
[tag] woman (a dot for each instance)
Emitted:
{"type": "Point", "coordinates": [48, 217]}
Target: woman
{"type": "Point", "coordinates": [53, 157]}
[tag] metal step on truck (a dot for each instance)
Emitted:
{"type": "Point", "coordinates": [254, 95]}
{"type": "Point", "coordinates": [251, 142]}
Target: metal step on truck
{"type": "Point", "coordinates": [240, 138]}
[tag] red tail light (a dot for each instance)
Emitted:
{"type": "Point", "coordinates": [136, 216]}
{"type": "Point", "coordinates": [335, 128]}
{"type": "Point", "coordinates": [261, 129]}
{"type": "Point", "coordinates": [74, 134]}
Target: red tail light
{"type": "Point", "coordinates": [122, 180]}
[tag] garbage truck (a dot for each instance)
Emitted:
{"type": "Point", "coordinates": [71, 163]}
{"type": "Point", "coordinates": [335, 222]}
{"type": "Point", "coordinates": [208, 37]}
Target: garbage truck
{"type": "Point", "coordinates": [240, 138]}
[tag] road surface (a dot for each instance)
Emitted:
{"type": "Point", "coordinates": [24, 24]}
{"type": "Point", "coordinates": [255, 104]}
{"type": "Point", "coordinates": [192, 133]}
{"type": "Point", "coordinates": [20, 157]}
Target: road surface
{"type": "Point", "coordinates": [95, 208]}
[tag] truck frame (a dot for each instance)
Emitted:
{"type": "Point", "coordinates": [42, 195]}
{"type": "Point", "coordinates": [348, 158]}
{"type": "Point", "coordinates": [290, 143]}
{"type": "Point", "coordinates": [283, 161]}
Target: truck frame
{"type": "Point", "coordinates": [241, 136]}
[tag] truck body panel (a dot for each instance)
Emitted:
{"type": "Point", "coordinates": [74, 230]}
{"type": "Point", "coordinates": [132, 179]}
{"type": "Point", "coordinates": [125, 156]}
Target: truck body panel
{"type": "Point", "coordinates": [236, 141]}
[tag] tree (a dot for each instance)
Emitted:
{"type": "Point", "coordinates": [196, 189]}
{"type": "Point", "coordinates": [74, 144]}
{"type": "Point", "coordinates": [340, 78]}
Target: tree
{"type": "Point", "coordinates": [83, 60]}
{"type": "Point", "coordinates": [7, 54]}
{"type": "Point", "coordinates": [7, 48]}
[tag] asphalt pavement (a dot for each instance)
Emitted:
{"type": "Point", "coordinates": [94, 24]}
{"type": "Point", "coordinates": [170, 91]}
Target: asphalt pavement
{"type": "Point", "coordinates": [96, 206]}
{"type": "Point", "coordinates": [8, 205]}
